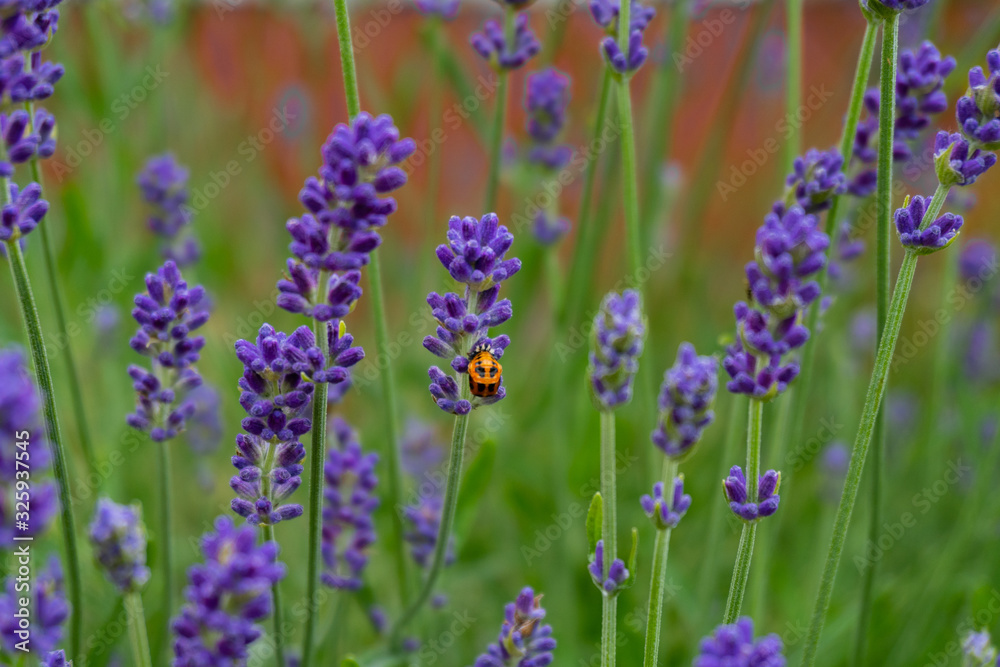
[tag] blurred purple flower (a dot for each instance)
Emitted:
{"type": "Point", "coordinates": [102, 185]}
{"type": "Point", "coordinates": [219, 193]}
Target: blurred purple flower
{"type": "Point", "coordinates": [977, 260]}
{"type": "Point", "coordinates": [420, 448]}
{"type": "Point", "coordinates": [549, 229]}
{"type": "Point", "coordinates": [979, 112]}
{"type": "Point", "coordinates": [349, 501]}
{"type": "Point", "coordinates": [685, 402]}
{"type": "Point", "coordinates": [957, 163]}
{"type": "Point", "coordinates": [49, 610]}
{"type": "Point", "coordinates": [493, 45]}
{"type": "Point", "coordinates": [619, 331]}
{"type": "Point", "coordinates": [605, 13]}
{"type": "Point", "coordinates": [734, 646]}
{"type": "Point", "coordinates": [666, 512]}
{"type": "Point", "coordinates": [24, 212]}
{"type": "Point", "coordinates": [163, 182]}
{"type": "Point", "coordinates": [445, 9]}
{"type": "Point", "coordinates": [119, 540]}
{"type": "Point", "coordinates": [226, 597]}
{"type": "Point", "coordinates": [424, 522]}
{"type": "Point", "coordinates": [818, 176]}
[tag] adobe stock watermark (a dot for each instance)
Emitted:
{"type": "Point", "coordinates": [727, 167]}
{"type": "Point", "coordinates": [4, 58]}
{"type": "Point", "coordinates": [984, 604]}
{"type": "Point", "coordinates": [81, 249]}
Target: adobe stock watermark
{"type": "Point", "coordinates": [121, 108]}
{"type": "Point", "coordinates": [922, 503]}
{"type": "Point", "coordinates": [983, 618]}
{"type": "Point", "coordinates": [786, 126]}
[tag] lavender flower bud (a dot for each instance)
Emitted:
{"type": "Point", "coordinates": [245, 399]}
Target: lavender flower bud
{"type": "Point", "coordinates": [977, 650]}
{"type": "Point", "coordinates": [492, 44]}
{"type": "Point", "coordinates": [920, 78]}
{"type": "Point", "coordinates": [957, 163]}
{"type": "Point", "coordinates": [48, 606]}
{"type": "Point", "coordinates": [119, 540]}
{"type": "Point", "coordinates": [608, 582]}
{"type": "Point", "coordinates": [619, 330]}
{"type": "Point", "coordinates": [549, 230]}
{"type": "Point", "coordinates": [476, 252]}
{"type": "Point", "coordinates": [228, 595]}
{"type": "Point", "coordinates": [625, 63]}
{"type": "Point", "coordinates": [524, 640]}
{"type": "Point", "coordinates": [818, 176]}
{"type": "Point", "coordinates": [349, 501]}
{"type": "Point", "coordinates": [163, 182]}
{"type": "Point", "coordinates": [734, 488]}
{"type": "Point", "coordinates": [24, 212]}
{"type": "Point", "coordinates": [605, 13]}
{"type": "Point", "coordinates": [545, 101]}
{"type": "Point", "coordinates": [685, 402]}
{"type": "Point", "coordinates": [925, 239]}
{"type": "Point", "coordinates": [20, 411]}
{"type": "Point", "coordinates": [731, 645]}
{"type": "Point", "coordinates": [978, 260]}
{"type": "Point", "coordinates": [56, 659]}
{"type": "Point", "coordinates": [666, 512]}
{"type": "Point", "coordinates": [269, 471]}
{"type": "Point", "coordinates": [979, 112]}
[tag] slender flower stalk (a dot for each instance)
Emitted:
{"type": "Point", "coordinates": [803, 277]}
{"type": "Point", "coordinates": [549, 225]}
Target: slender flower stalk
{"type": "Point", "coordinates": [741, 571]}
{"type": "Point", "coordinates": [609, 529]}
{"type": "Point", "coordinates": [793, 84]}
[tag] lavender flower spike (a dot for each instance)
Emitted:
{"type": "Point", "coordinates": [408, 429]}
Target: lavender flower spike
{"type": "Point", "coordinates": [619, 330]}
{"type": "Point", "coordinates": [625, 63]}
{"type": "Point", "coordinates": [979, 111]}
{"type": "Point", "coordinates": [686, 398]}
{"type": "Point", "coordinates": [605, 13]}
{"type": "Point", "coordinates": [24, 212]}
{"type": "Point", "coordinates": [818, 176]}
{"type": "Point", "coordinates": [228, 595]}
{"type": "Point", "coordinates": [616, 576]}
{"type": "Point", "coordinates": [445, 9]}
{"type": "Point", "coordinates": [546, 99]}
{"type": "Point", "coordinates": [492, 44]}
{"type": "Point", "coordinates": [119, 541]}
{"type": "Point", "coordinates": [524, 640]}
{"type": "Point", "coordinates": [424, 520]}
{"type": "Point", "coordinates": [167, 313]}
{"type": "Point", "coordinates": [925, 239]}
{"type": "Point", "coordinates": [666, 512]}
{"type": "Point", "coordinates": [48, 606]}
{"type": "Point", "coordinates": [734, 646]}
{"type": "Point", "coordinates": [163, 182]}
{"type": "Point", "coordinates": [734, 488]}
{"type": "Point", "coordinates": [349, 501]}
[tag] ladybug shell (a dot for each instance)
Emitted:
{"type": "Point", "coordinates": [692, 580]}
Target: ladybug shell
{"type": "Point", "coordinates": [484, 374]}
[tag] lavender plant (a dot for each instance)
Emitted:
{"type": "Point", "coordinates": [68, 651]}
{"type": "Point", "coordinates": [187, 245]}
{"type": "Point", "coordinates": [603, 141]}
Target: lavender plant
{"type": "Point", "coordinates": [49, 612]}
{"type": "Point", "coordinates": [733, 645]}
{"type": "Point", "coordinates": [476, 257]}
{"type": "Point", "coordinates": [163, 183]}
{"type": "Point", "coordinates": [911, 225]}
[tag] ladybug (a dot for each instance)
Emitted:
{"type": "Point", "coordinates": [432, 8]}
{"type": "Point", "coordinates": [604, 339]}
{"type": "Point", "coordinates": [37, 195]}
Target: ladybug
{"type": "Point", "coordinates": [484, 372]}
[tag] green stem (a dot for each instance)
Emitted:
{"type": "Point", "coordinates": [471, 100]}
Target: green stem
{"type": "Point", "coordinates": [866, 429]}
{"type": "Point", "coordinates": [55, 292]}
{"type": "Point", "coordinates": [499, 122]}
{"type": "Point", "coordinates": [137, 629]}
{"type": "Point", "coordinates": [166, 550]}
{"type": "Point", "coordinates": [347, 67]}
{"type": "Point", "coordinates": [318, 457]}
{"type": "Point", "coordinates": [583, 258]}
{"type": "Point", "coordinates": [279, 635]}
{"type": "Point", "coordinates": [793, 85]}
{"type": "Point", "coordinates": [883, 286]}
{"type": "Point", "coordinates": [630, 183]}
{"type": "Point", "coordinates": [654, 613]}
{"type": "Point", "coordinates": [43, 374]}
{"type": "Point", "coordinates": [744, 555]}
{"type": "Point", "coordinates": [447, 519]}
{"type": "Point", "coordinates": [609, 528]}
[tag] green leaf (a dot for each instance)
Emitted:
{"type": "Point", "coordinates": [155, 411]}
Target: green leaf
{"type": "Point", "coordinates": [633, 556]}
{"type": "Point", "coordinates": [595, 517]}
{"type": "Point", "coordinates": [474, 485]}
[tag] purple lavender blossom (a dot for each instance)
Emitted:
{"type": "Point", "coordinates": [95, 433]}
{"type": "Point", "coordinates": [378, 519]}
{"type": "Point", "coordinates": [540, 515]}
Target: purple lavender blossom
{"type": "Point", "coordinates": [836, 458]}
{"type": "Point", "coordinates": [345, 205]}
{"type": "Point", "coordinates": [608, 581]}
{"type": "Point", "coordinates": [919, 96]}
{"type": "Point", "coordinates": [685, 402]}
{"type": "Point", "coordinates": [55, 659]}
{"type": "Point", "coordinates": [269, 472]}
{"type": "Point", "coordinates": [349, 501]}
{"type": "Point", "coordinates": [163, 182]}
{"type": "Point", "coordinates": [204, 428]}
{"type": "Point", "coordinates": [49, 611]}
{"type": "Point", "coordinates": [734, 488]}
{"type": "Point", "coordinates": [424, 522]}
{"type": "Point", "coordinates": [817, 177]}
{"type": "Point", "coordinates": [925, 238]}
{"type": "Point", "coordinates": [549, 229]}
{"type": "Point", "coordinates": [979, 112]}
{"type": "Point", "coordinates": [957, 163]}
{"type": "Point", "coordinates": [228, 595]}
{"type": "Point", "coordinates": [524, 640]}
{"type": "Point", "coordinates": [20, 413]}
{"type": "Point", "coordinates": [619, 330]}
{"type": "Point", "coordinates": [476, 255]}
{"type": "Point", "coordinates": [605, 13]}
{"type": "Point", "coordinates": [625, 63]}
{"type": "Point", "coordinates": [545, 101]}
{"type": "Point", "coordinates": [24, 212]}
{"type": "Point", "coordinates": [119, 540]}
{"type": "Point", "coordinates": [977, 649]}
{"type": "Point", "coordinates": [666, 512]}
{"type": "Point", "coordinates": [492, 44]}
{"type": "Point", "coordinates": [846, 250]}
{"type": "Point", "coordinates": [167, 313]}
{"type": "Point", "coordinates": [977, 260]}
{"type": "Point", "coordinates": [734, 646]}
{"type": "Point", "coordinates": [25, 137]}
{"type": "Point", "coordinates": [420, 449]}
{"type": "Point", "coordinates": [445, 9]}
